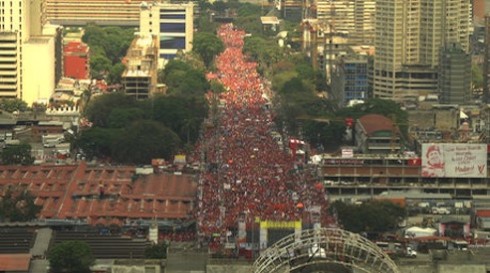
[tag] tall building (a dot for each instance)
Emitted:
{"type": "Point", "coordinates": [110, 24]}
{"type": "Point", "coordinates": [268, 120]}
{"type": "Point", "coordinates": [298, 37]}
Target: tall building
{"type": "Point", "coordinates": [30, 62]}
{"type": "Point", "coordinates": [355, 18]}
{"type": "Point", "coordinates": [409, 36]}
{"type": "Point", "coordinates": [101, 12]}
{"type": "Point", "coordinates": [454, 75]}
{"type": "Point", "coordinates": [172, 23]}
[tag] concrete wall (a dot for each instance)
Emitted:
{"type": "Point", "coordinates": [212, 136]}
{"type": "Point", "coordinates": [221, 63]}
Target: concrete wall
{"type": "Point", "coordinates": [458, 268]}
{"type": "Point", "coordinates": [230, 268]}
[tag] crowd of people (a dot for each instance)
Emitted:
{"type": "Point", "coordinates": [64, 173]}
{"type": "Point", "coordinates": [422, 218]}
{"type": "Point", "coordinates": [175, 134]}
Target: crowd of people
{"type": "Point", "coordinates": [248, 175]}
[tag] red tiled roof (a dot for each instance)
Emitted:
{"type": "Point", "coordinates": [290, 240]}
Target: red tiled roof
{"type": "Point", "coordinates": [75, 191]}
{"type": "Point", "coordinates": [372, 123]}
{"type": "Point", "coordinates": [14, 262]}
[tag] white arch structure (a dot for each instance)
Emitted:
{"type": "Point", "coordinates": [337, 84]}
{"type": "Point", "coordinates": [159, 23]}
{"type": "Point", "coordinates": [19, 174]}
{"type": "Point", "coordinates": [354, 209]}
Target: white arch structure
{"type": "Point", "coordinates": [326, 248]}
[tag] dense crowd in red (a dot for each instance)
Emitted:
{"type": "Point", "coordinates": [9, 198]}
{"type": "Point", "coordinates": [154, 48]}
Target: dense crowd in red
{"type": "Point", "coordinates": [249, 175]}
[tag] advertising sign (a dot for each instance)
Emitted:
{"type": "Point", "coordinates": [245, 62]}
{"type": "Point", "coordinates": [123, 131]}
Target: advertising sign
{"type": "Point", "coordinates": [454, 160]}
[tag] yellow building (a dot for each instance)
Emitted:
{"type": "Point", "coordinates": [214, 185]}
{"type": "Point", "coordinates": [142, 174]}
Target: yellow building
{"type": "Point", "coordinates": [30, 63]}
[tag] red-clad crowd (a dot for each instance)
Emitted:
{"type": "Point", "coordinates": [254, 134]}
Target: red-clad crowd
{"type": "Point", "coordinates": [249, 176]}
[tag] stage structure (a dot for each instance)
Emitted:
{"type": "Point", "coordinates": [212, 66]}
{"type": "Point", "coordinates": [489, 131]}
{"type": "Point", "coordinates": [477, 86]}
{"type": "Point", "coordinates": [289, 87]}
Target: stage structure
{"type": "Point", "coordinates": [324, 250]}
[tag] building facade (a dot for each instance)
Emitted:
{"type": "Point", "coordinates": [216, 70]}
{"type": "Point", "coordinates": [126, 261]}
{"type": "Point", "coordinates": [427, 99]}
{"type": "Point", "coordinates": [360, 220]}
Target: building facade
{"type": "Point", "coordinates": [172, 23]}
{"type": "Point", "coordinates": [409, 36]}
{"type": "Point", "coordinates": [76, 60]}
{"type": "Point", "coordinates": [101, 12]}
{"type": "Point", "coordinates": [354, 18]}
{"type": "Point", "coordinates": [29, 66]}
{"type": "Point", "coordinates": [140, 77]}
{"type": "Point", "coordinates": [350, 78]}
{"type": "Point", "coordinates": [454, 75]}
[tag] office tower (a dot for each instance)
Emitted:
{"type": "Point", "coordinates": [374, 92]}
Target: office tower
{"type": "Point", "coordinates": [172, 23]}
{"type": "Point", "coordinates": [409, 36]}
{"type": "Point", "coordinates": [30, 62]}
{"type": "Point", "coordinates": [353, 18]}
{"type": "Point", "coordinates": [454, 75]}
{"type": "Point", "coordinates": [101, 12]}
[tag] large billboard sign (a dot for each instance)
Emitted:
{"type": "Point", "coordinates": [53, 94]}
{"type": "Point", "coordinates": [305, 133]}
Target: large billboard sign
{"type": "Point", "coordinates": [454, 160]}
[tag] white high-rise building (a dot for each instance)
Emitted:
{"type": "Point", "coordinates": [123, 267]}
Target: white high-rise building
{"type": "Point", "coordinates": [28, 67]}
{"type": "Point", "coordinates": [409, 37]}
{"type": "Point", "coordinates": [172, 23]}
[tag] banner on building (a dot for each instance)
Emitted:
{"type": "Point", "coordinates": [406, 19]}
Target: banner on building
{"type": "Point", "coordinates": [454, 160]}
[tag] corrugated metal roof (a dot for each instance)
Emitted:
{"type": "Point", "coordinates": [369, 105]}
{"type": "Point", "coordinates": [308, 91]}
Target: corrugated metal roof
{"type": "Point", "coordinates": [372, 123]}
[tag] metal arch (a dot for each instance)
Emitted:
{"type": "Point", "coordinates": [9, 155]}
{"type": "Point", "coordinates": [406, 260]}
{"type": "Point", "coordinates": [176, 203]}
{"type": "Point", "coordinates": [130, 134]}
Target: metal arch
{"type": "Point", "coordinates": [325, 246]}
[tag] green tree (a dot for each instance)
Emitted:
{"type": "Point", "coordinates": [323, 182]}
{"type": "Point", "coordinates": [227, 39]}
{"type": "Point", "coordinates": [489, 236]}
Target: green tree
{"type": "Point", "coordinates": [372, 216]}
{"type": "Point", "coordinates": [71, 257]}
{"type": "Point", "coordinates": [121, 117]}
{"type": "Point", "coordinates": [99, 108]}
{"type": "Point", "coordinates": [144, 140]}
{"type": "Point", "coordinates": [97, 142]}
{"type": "Point", "coordinates": [177, 111]}
{"type": "Point", "coordinates": [207, 45]}
{"type": "Point", "coordinates": [158, 251]}
{"type": "Point", "coordinates": [17, 205]}
{"type": "Point", "coordinates": [12, 105]}
{"type": "Point", "coordinates": [17, 154]}
{"type": "Point", "coordinates": [115, 73]}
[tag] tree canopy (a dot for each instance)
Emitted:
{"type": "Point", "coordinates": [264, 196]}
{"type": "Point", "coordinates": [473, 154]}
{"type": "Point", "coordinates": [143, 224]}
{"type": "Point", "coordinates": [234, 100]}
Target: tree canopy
{"type": "Point", "coordinates": [71, 256]}
{"type": "Point", "coordinates": [108, 45]}
{"type": "Point", "coordinates": [207, 45]}
{"type": "Point", "coordinates": [17, 205]}
{"type": "Point", "coordinates": [371, 216]}
{"type": "Point", "coordinates": [130, 131]}
{"type": "Point", "coordinates": [17, 154]}
{"type": "Point", "coordinates": [12, 105]}
{"type": "Point", "coordinates": [144, 140]}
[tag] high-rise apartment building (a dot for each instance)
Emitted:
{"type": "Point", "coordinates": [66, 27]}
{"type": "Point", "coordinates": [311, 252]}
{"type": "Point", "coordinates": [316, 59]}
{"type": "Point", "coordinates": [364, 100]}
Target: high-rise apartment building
{"type": "Point", "coordinates": [172, 23]}
{"type": "Point", "coordinates": [101, 12]}
{"type": "Point", "coordinates": [409, 37]}
{"type": "Point", "coordinates": [30, 62]}
{"type": "Point", "coordinates": [354, 18]}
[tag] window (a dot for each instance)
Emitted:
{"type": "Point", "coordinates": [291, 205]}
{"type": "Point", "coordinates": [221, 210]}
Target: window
{"type": "Point", "coordinates": [172, 43]}
{"type": "Point", "coordinates": [172, 16]}
{"type": "Point", "coordinates": [172, 27]}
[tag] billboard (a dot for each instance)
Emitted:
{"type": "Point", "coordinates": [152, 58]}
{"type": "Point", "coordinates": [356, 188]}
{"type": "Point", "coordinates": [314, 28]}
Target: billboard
{"type": "Point", "coordinates": [454, 160]}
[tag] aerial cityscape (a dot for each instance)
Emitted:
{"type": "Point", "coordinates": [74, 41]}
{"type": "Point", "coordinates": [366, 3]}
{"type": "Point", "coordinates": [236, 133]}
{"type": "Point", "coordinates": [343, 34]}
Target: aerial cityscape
{"type": "Point", "coordinates": [318, 136]}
